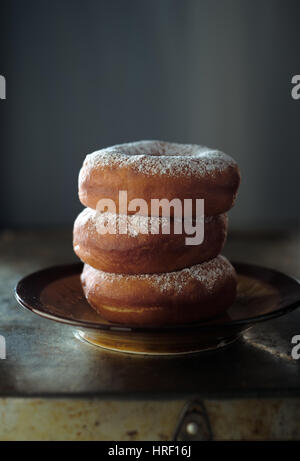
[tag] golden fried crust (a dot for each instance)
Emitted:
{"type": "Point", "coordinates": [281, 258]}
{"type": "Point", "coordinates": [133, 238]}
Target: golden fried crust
{"type": "Point", "coordinates": [157, 170]}
{"type": "Point", "coordinates": [190, 295]}
{"type": "Point", "coordinates": [144, 253]}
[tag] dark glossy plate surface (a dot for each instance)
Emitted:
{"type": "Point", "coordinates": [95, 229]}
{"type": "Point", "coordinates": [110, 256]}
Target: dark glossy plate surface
{"type": "Point", "coordinates": [55, 293]}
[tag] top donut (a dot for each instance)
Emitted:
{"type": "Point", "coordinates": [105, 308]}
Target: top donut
{"type": "Point", "coordinates": [160, 170]}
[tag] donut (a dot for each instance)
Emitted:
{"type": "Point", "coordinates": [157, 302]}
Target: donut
{"type": "Point", "coordinates": [142, 253]}
{"type": "Point", "coordinates": [189, 295]}
{"type": "Point", "coordinates": [160, 170]}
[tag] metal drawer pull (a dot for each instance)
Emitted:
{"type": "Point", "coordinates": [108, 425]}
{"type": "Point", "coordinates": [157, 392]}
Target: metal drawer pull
{"type": "Point", "coordinates": [193, 423]}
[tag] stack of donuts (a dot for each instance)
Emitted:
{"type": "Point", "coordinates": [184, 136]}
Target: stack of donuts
{"type": "Point", "coordinates": [145, 277]}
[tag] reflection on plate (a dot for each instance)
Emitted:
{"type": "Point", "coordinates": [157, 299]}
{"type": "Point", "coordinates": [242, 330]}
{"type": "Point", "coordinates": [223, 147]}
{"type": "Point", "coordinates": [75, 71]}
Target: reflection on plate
{"type": "Point", "coordinates": [56, 294]}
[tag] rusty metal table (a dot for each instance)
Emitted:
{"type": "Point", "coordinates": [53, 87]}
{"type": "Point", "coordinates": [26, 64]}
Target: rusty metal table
{"type": "Point", "coordinates": [250, 389]}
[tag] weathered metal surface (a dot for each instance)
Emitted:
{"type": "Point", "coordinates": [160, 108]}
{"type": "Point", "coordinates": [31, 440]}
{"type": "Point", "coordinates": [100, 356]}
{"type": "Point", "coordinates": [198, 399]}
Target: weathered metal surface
{"type": "Point", "coordinates": [271, 419]}
{"type": "Point", "coordinates": [94, 393]}
{"type": "Point", "coordinates": [97, 419]}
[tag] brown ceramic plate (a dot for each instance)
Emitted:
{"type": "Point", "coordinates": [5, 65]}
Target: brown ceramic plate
{"type": "Point", "coordinates": [56, 294]}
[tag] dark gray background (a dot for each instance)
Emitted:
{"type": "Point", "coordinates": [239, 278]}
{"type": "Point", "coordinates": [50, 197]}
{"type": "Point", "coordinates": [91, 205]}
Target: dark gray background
{"type": "Point", "coordinates": [82, 75]}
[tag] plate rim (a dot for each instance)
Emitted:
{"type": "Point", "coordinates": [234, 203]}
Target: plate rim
{"type": "Point", "coordinates": [205, 325]}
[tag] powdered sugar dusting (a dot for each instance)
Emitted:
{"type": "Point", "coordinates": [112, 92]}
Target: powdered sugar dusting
{"type": "Point", "coordinates": [158, 157]}
{"type": "Point", "coordinates": [207, 273]}
{"type": "Point", "coordinates": [131, 225]}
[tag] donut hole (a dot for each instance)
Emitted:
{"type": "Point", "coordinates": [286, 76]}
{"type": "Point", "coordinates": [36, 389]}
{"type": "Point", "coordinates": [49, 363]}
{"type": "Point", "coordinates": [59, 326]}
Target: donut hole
{"type": "Point", "coordinates": [161, 149]}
